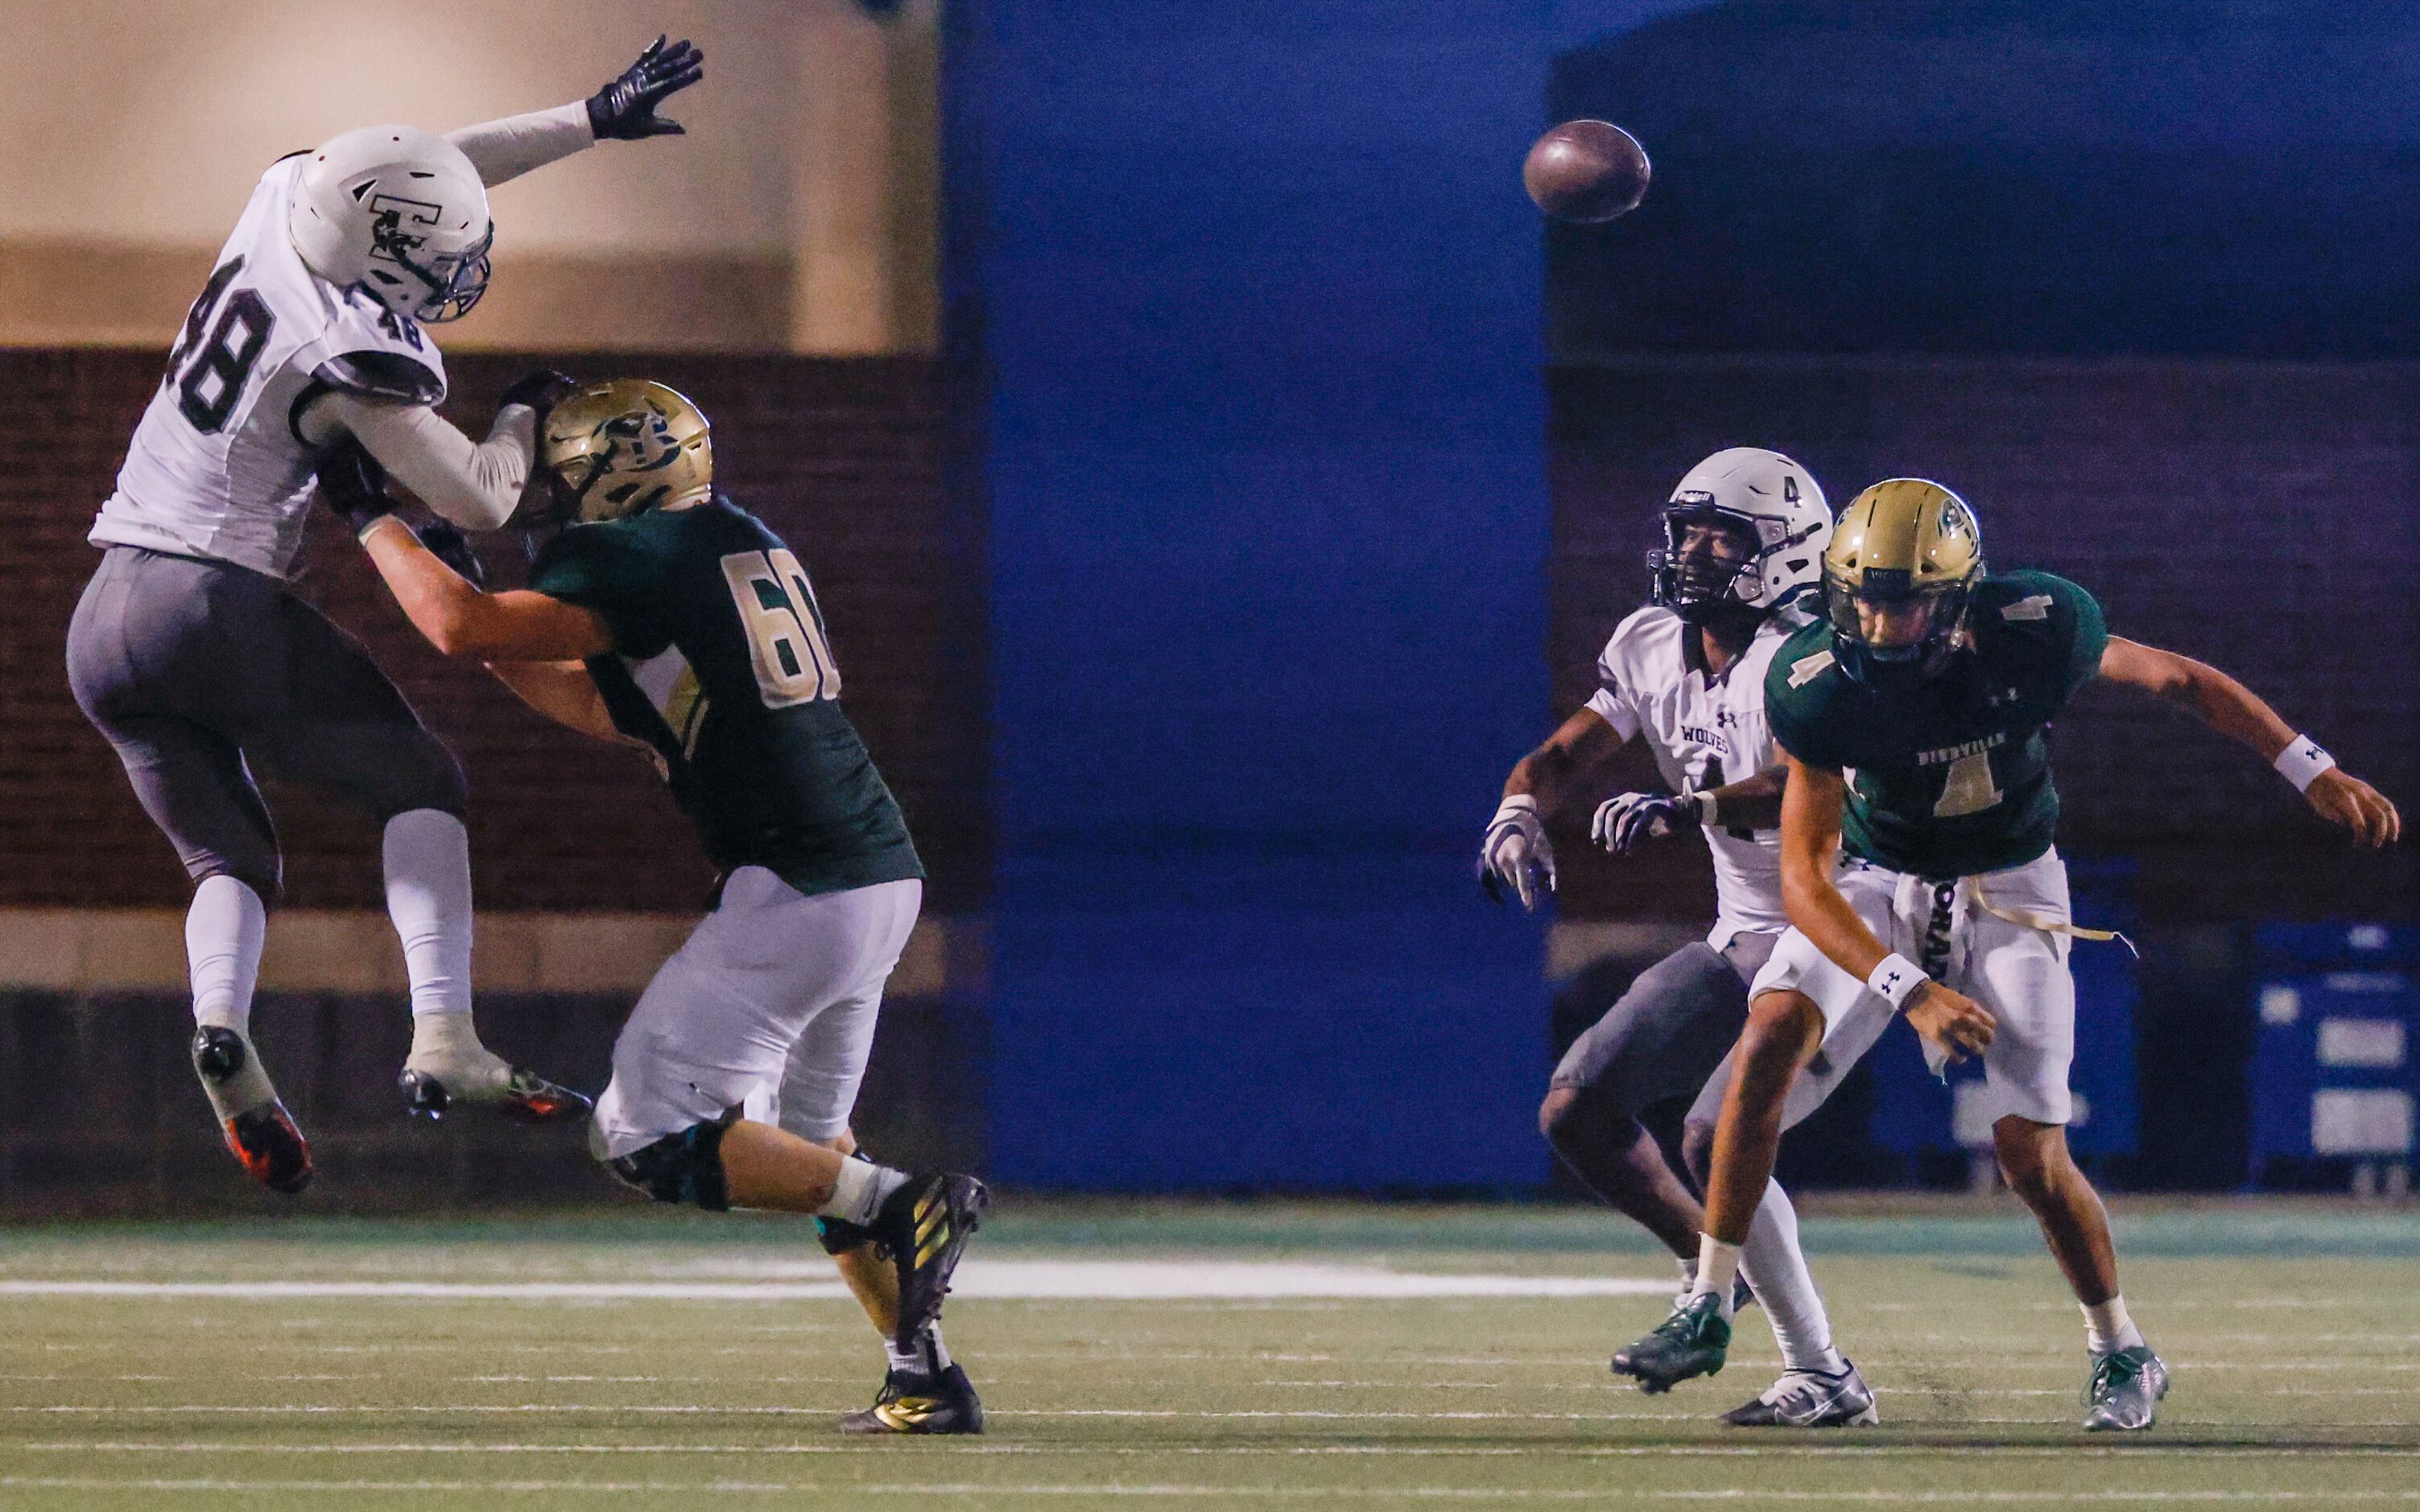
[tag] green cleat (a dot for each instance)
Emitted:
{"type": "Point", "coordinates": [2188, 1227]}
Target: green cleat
{"type": "Point", "coordinates": [2125, 1390]}
{"type": "Point", "coordinates": [1691, 1342]}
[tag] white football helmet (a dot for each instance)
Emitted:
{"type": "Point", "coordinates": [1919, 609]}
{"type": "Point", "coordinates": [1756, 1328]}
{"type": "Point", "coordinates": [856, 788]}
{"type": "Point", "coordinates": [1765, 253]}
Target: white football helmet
{"type": "Point", "coordinates": [1780, 507]}
{"type": "Point", "coordinates": [398, 212]}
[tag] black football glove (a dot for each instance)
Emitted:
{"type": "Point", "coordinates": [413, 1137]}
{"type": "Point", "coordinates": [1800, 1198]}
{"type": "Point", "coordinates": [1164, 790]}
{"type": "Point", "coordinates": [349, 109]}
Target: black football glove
{"type": "Point", "coordinates": [446, 542]}
{"type": "Point", "coordinates": [541, 389]}
{"type": "Point", "coordinates": [353, 485]}
{"type": "Point", "coordinates": [626, 108]}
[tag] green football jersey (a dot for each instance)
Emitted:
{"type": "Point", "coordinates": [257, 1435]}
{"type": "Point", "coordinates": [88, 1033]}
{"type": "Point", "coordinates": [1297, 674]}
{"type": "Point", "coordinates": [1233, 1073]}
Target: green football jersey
{"type": "Point", "coordinates": [722, 665]}
{"type": "Point", "coordinates": [1949, 777]}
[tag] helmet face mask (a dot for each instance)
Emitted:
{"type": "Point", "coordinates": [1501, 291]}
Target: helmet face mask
{"type": "Point", "coordinates": [1898, 576]}
{"type": "Point", "coordinates": [451, 282]}
{"type": "Point", "coordinates": [1708, 565]}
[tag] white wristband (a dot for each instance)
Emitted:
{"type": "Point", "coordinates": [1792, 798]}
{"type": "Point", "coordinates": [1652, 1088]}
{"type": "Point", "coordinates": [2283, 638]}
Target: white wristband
{"type": "Point", "coordinates": [364, 534]}
{"type": "Point", "coordinates": [1706, 810]}
{"type": "Point", "coordinates": [2302, 762]}
{"type": "Point", "coordinates": [1895, 979]}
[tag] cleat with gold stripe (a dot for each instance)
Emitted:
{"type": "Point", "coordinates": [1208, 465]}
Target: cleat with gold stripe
{"type": "Point", "coordinates": [924, 1227]}
{"type": "Point", "coordinates": [915, 1402]}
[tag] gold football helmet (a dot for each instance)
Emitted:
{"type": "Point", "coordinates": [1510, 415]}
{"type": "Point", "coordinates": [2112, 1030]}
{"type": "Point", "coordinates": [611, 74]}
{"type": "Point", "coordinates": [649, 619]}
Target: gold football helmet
{"type": "Point", "coordinates": [1902, 561]}
{"type": "Point", "coordinates": [614, 448]}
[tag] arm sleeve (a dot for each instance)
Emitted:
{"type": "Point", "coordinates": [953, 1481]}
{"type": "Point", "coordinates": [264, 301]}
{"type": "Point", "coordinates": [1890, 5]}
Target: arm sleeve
{"type": "Point", "coordinates": [504, 149]}
{"type": "Point", "coordinates": [476, 485]}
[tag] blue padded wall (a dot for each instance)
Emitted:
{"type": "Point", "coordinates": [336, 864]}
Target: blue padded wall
{"type": "Point", "coordinates": [1258, 294]}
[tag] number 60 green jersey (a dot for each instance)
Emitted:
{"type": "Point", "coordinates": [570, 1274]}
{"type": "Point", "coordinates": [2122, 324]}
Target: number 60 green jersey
{"type": "Point", "coordinates": [720, 664]}
{"type": "Point", "coordinates": [1950, 776]}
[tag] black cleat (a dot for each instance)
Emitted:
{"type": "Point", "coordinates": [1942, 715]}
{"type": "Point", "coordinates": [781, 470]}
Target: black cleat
{"type": "Point", "coordinates": [924, 1227]}
{"type": "Point", "coordinates": [262, 1138]}
{"type": "Point", "coordinates": [521, 1096]}
{"type": "Point", "coordinates": [1692, 1342]}
{"type": "Point", "coordinates": [271, 1147]}
{"type": "Point", "coordinates": [914, 1402]}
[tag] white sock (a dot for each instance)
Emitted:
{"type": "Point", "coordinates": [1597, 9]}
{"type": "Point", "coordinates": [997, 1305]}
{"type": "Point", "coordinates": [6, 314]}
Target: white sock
{"type": "Point", "coordinates": [449, 1042]}
{"type": "Point", "coordinates": [928, 1356]}
{"type": "Point", "coordinates": [428, 898]}
{"type": "Point", "coordinates": [859, 1190]}
{"type": "Point", "coordinates": [1776, 1268]}
{"type": "Point", "coordinates": [1688, 1272]}
{"type": "Point", "coordinates": [223, 931]}
{"type": "Point", "coordinates": [1717, 1271]}
{"type": "Point", "coordinates": [2107, 1329]}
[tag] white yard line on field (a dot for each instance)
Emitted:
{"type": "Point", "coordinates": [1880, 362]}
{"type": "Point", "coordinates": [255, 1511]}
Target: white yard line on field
{"type": "Point", "coordinates": [1023, 1280]}
{"type": "Point", "coordinates": [1380, 1451]}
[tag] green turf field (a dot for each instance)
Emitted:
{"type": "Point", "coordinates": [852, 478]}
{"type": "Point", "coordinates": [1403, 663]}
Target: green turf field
{"type": "Point", "coordinates": [620, 1361]}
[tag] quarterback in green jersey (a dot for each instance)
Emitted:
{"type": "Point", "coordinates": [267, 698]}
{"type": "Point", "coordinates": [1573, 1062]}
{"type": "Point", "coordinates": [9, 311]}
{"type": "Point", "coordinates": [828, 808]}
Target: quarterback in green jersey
{"type": "Point", "coordinates": [665, 616]}
{"type": "Point", "coordinates": [1919, 877]}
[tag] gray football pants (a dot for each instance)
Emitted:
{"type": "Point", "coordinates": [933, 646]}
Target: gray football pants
{"type": "Point", "coordinates": [1667, 1035]}
{"type": "Point", "coordinates": [203, 673]}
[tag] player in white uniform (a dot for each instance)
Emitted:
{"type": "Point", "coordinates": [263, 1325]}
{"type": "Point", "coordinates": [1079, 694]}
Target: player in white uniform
{"type": "Point", "coordinates": [190, 655]}
{"type": "Point", "coordinates": [1744, 536]}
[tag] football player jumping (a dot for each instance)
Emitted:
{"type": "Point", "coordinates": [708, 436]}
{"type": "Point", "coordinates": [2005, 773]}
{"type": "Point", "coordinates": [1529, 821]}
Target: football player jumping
{"type": "Point", "coordinates": [1744, 535]}
{"type": "Point", "coordinates": [1917, 867]}
{"type": "Point", "coordinates": [663, 615]}
{"type": "Point", "coordinates": [188, 651]}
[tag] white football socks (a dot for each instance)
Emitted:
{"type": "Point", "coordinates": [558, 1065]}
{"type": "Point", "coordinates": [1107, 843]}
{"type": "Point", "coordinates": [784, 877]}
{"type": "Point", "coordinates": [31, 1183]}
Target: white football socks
{"type": "Point", "coordinates": [1717, 1272]}
{"type": "Point", "coordinates": [859, 1190]}
{"type": "Point", "coordinates": [2107, 1329]}
{"type": "Point", "coordinates": [224, 930]}
{"type": "Point", "coordinates": [428, 854]}
{"type": "Point", "coordinates": [1776, 1268]}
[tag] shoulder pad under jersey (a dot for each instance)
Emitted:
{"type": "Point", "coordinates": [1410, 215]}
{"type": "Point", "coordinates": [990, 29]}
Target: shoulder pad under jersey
{"type": "Point", "coordinates": [382, 375]}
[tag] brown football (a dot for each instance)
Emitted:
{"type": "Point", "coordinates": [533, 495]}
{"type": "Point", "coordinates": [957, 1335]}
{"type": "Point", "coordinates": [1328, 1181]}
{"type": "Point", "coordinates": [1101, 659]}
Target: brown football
{"type": "Point", "coordinates": [1586, 171]}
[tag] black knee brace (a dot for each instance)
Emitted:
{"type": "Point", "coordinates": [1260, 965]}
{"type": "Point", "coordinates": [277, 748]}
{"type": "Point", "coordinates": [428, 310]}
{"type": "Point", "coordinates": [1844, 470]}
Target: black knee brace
{"type": "Point", "coordinates": [683, 1167]}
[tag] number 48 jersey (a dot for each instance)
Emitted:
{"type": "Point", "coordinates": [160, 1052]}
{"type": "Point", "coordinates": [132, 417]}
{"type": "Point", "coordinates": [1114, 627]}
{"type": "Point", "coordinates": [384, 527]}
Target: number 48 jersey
{"type": "Point", "coordinates": [217, 467]}
{"type": "Point", "coordinates": [722, 666]}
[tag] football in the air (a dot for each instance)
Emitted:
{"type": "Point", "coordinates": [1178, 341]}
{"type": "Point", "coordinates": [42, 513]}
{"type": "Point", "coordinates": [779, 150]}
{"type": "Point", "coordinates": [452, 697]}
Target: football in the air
{"type": "Point", "coordinates": [1586, 171]}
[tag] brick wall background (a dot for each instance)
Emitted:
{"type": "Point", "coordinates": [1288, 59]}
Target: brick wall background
{"type": "Point", "coordinates": [844, 458]}
{"type": "Point", "coordinates": [2264, 517]}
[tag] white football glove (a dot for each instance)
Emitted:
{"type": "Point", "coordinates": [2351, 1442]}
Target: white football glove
{"type": "Point", "coordinates": [1516, 853]}
{"type": "Point", "coordinates": [1626, 819]}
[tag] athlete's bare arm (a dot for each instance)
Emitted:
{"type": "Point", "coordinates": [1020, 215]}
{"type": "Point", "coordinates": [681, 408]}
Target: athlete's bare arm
{"type": "Point", "coordinates": [2235, 711]}
{"type": "Point", "coordinates": [1811, 801]}
{"type": "Point", "coordinates": [1579, 751]}
{"type": "Point", "coordinates": [461, 620]}
{"type": "Point", "coordinates": [1752, 802]}
{"type": "Point", "coordinates": [564, 693]}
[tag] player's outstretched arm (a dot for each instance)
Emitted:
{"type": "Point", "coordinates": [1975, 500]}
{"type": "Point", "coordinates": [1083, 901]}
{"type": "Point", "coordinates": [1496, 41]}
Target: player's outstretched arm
{"type": "Point", "coordinates": [2235, 711]}
{"type": "Point", "coordinates": [461, 620]}
{"type": "Point", "coordinates": [1811, 801]}
{"type": "Point", "coordinates": [623, 108]}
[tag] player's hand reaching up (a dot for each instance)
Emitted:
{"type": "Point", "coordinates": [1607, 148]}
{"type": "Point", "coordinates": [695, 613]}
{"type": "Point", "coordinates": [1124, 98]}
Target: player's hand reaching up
{"type": "Point", "coordinates": [2344, 799]}
{"type": "Point", "coordinates": [625, 109]}
{"type": "Point", "coordinates": [1954, 1025]}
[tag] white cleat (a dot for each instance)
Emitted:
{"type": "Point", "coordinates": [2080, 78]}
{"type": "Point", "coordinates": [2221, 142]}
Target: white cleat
{"type": "Point", "coordinates": [436, 1078]}
{"type": "Point", "coordinates": [1810, 1399]}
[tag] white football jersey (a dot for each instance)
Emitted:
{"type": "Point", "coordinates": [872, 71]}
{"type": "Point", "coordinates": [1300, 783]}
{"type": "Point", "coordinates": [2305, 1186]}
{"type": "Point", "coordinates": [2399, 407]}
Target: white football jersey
{"type": "Point", "coordinates": [1703, 734]}
{"type": "Point", "coordinates": [217, 467]}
